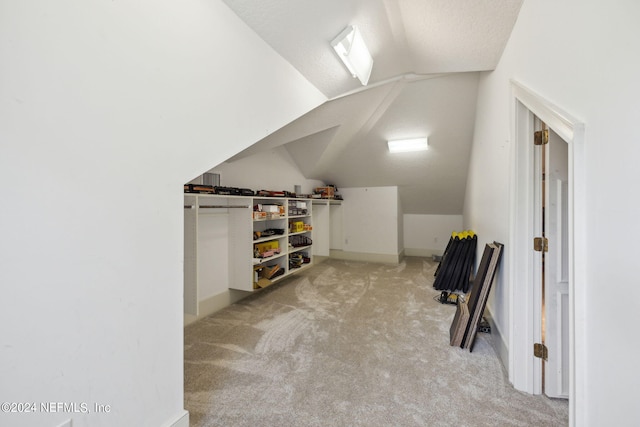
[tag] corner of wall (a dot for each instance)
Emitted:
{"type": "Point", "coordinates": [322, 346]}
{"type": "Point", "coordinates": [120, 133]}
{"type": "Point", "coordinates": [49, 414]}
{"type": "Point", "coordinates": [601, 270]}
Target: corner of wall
{"type": "Point", "coordinates": [181, 420]}
{"type": "Point", "coordinates": [497, 340]}
{"type": "Point", "coordinates": [215, 303]}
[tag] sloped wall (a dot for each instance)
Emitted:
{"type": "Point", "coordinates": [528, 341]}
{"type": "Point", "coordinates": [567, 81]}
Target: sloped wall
{"type": "Point", "coordinates": [270, 170]}
{"type": "Point", "coordinates": [106, 109]}
{"type": "Point", "coordinates": [582, 56]}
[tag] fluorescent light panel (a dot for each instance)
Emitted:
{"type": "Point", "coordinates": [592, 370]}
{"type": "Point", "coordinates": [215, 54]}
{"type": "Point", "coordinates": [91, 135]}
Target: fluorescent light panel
{"type": "Point", "coordinates": [352, 50]}
{"type": "Point", "coordinates": [408, 145]}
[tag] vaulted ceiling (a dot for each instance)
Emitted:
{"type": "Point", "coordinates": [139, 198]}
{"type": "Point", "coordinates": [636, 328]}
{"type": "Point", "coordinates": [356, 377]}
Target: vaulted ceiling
{"type": "Point", "coordinates": [427, 55]}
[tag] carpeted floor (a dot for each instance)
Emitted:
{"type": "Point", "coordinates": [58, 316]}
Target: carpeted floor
{"type": "Point", "coordinates": [349, 344]}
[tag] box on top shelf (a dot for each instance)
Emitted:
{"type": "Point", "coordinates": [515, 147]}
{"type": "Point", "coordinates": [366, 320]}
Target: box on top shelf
{"type": "Point", "coordinates": [327, 192]}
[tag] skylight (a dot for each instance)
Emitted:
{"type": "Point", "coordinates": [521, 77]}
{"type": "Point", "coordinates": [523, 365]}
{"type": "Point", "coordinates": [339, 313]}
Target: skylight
{"type": "Point", "coordinates": [352, 50]}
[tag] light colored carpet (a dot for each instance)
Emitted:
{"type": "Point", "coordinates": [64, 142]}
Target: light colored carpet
{"type": "Point", "coordinates": [349, 344]}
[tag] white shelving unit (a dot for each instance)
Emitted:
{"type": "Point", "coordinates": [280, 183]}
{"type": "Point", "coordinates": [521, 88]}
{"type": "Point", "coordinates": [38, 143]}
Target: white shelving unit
{"type": "Point", "coordinates": [245, 271]}
{"type": "Point", "coordinates": [324, 211]}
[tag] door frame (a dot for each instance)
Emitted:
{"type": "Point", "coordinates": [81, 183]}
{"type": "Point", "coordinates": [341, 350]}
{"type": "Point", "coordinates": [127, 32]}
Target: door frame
{"type": "Point", "coordinates": [525, 372]}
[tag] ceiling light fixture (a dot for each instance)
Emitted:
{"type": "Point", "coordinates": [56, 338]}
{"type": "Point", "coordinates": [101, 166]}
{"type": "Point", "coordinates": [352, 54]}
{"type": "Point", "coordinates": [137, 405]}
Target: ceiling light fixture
{"type": "Point", "coordinates": [408, 145]}
{"type": "Point", "coordinates": [350, 47]}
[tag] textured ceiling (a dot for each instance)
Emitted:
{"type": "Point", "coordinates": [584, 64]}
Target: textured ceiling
{"type": "Point", "coordinates": [424, 81]}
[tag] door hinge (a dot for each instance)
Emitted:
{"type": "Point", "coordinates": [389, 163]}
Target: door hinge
{"type": "Point", "coordinates": [541, 244]}
{"type": "Point", "coordinates": [540, 351]}
{"type": "Point", "coordinates": [541, 137]}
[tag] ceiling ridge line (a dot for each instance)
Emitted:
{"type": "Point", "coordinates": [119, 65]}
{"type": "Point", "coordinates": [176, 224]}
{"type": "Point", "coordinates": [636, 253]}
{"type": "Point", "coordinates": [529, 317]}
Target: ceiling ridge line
{"type": "Point", "coordinates": [328, 156]}
{"type": "Point", "coordinates": [407, 77]}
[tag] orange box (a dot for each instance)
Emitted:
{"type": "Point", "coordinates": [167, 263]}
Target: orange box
{"type": "Point", "coordinates": [259, 215]}
{"type": "Point", "coordinates": [326, 192]}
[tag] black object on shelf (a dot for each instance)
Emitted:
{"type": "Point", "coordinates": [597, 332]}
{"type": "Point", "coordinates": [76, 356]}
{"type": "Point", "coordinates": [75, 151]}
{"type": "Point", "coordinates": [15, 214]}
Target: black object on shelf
{"type": "Point", "coordinates": [299, 241]}
{"type": "Point", "coordinates": [272, 232]}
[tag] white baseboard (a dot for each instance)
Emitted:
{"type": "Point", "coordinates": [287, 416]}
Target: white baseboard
{"type": "Point", "coordinates": [421, 252]}
{"type": "Point", "coordinates": [181, 420]}
{"type": "Point", "coordinates": [367, 257]}
{"type": "Point", "coordinates": [224, 299]}
{"type": "Point", "coordinates": [497, 340]}
{"type": "Point", "coordinates": [215, 303]}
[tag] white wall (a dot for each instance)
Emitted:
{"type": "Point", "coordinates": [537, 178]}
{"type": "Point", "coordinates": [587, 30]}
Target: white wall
{"type": "Point", "coordinates": [400, 226]}
{"type": "Point", "coordinates": [370, 218]}
{"type": "Point", "coordinates": [270, 170]}
{"type": "Point", "coordinates": [425, 235]}
{"type": "Point", "coordinates": [106, 109]}
{"type": "Point", "coordinates": [582, 56]}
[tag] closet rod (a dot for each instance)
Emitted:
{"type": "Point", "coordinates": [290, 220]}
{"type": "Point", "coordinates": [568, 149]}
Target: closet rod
{"type": "Point", "coordinates": [215, 207]}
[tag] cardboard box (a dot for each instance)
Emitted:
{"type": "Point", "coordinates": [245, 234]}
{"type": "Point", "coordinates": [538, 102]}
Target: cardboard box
{"type": "Point", "coordinates": [259, 281]}
{"type": "Point", "coordinates": [296, 227]}
{"type": "Point", "coordinates": [259, 215]}
{"type": "Point", "coordinates": [326, 192]}
{"type": "Point", "coordinates": [270, 208]}
{"type": "Point", "coordinates": [265, 247]}
{"type": "Point", "coordinates": [263, 275]}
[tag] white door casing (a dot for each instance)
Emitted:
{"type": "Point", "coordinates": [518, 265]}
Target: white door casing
{"type": "Point", "coordinates": [524, 291]}
{"type": "Point", "coordinates": [556, 282]}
